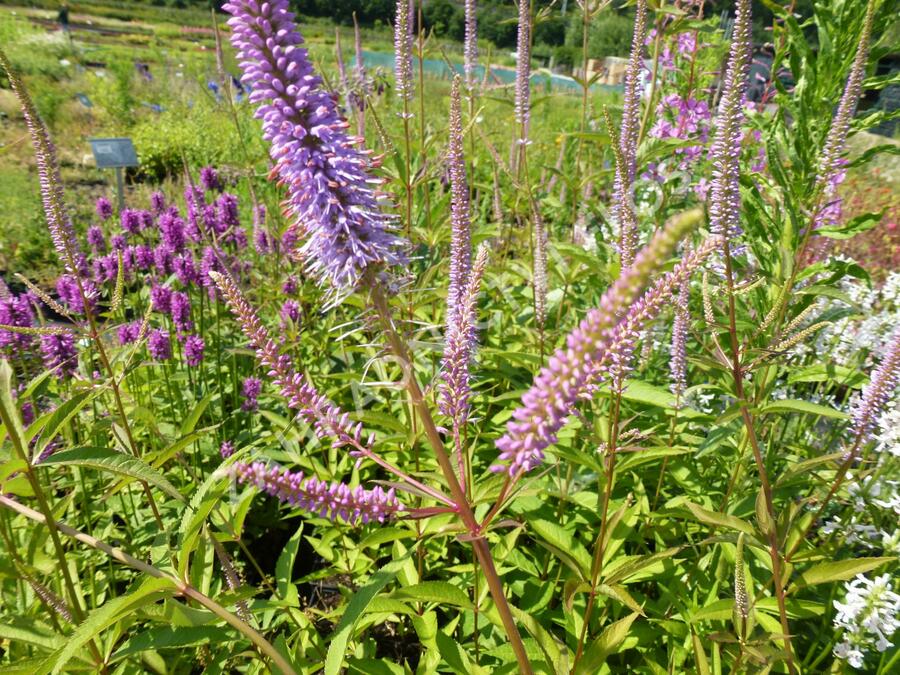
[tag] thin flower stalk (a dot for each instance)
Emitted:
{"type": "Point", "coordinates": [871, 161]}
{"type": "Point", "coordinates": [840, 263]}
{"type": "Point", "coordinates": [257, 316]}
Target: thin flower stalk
{"type": "Point", "coordinates": [551, 399]}
{"type": "Point", "coordinates": [331, 192]}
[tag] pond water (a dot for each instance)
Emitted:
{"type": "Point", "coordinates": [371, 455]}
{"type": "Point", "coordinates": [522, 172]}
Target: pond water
{"type": "Point", "coordinates": [439, 69]}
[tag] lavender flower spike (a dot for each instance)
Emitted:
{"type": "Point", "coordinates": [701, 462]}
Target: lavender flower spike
{"type": "Point", "coordinates": [403, 51]}
{"type": "Point", "coordinates": [523, 70]}
{"type": "Point", "coordinates": [61, 231]}
{"type": "Point", "coordinates": [330, 192]}
{"type": "Point", "coordinates": [470, 44]}
{"type": "Point", "coordinates": [831, 172]}
{"type": "Point", "coordinates": [678, 348]}
{"type": "Point", "coordinates": [570, 370]}
{"type": "Point", "coordinates": [626, 157]}
{"type": "Point", "coordinates": [328, 500]}
{"type": "Point", "coordinates": [878, 391]}
{"type": "Point", "coordinates": [459, 349]}
{"type": "Point", "coordinates": [725, 195]}
{"type": "Point", "coordinates": [328, 421]}
{"type": "Point", "coordinates": [461, 246]}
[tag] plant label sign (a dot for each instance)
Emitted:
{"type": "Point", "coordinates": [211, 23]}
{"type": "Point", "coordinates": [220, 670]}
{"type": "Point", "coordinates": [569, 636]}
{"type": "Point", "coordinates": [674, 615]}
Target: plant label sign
{"type": "Point", "coordinates": [113, 153]}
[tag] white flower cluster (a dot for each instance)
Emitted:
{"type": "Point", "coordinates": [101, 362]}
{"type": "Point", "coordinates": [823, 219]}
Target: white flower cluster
{"type": "Point", "coordinates": [868, 616]}
{"type": "Point", "coordinates": [847, 337]}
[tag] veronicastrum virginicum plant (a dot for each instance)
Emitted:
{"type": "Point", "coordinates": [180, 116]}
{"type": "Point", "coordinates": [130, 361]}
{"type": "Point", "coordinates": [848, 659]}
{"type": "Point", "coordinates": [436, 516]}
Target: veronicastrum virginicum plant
{"type": "Point", "coordinates": [567, 513]}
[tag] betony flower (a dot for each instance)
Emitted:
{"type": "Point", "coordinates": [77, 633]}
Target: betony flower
{"type": "Point", "coordinates": [129, 332]}
{"type": "Point", "coordinates": [226, 450]}
{"type": "Point", "coordinates": [159, 345]}
{"type": "Point", "coordinates": [95, 239]}
{"type": "Point", "coordinates": [103, 208]}
{"type": "Point", "coordinates": [328, 500]}
{"type": "Point", "coordinates": [59, 353]}
{"type": "Point", "coordinates": [180, 309]}
{"type": "Point", "coordinates": [251, 389]}
{"type": "Point", "coordinates": [209, 179]}
{"type": "Point", "coordinates": [193, 350]}
{"type": "Point", "coordinates": [161, 299]}
{"type": "Point", "coordinates": [15, 311]}
{"type": "Point", "coordinates": [330, 192]}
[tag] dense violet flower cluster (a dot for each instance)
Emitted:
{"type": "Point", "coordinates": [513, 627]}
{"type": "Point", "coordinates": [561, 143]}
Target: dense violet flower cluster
{"type": "Point", "coordinates": [59, 353]}
{"type": "Point", "coordinates": [251, 389]}
{"type": "Point", "coordinates": [16, 310]}
{"type": "Point", "coordinates": [193, 350]}
{"type": "Point", "coordinates": [328, 500]}
{"type": "Point", "coordinates": [330, 191]}
{"type": "Point", "coordinates": [159, 345]}
{"type": "Point", "coordinates": [685, 119]}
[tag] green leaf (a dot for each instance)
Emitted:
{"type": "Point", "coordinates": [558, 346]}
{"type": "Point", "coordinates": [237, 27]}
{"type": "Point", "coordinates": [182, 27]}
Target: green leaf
{"type": "Point", "coordinates": [172, 637]}
{"type": "Point", "coordinates": [719, 519]}
{"type": "Point", "coordinates": [563, 544]}
{"type": "Point", "coordinates": [441, 592]}
{"type": "Point", "coordinates": [854, 227]}
{"type": "Point", "coordinates": [8, 413]}
{"type": "Point", "coordinates": [190, 422]}
{"type": "Point", "coordinates": [839, 570]}
{"type": "Point", "coordinates": [57, 419]}
{"type": "Point", "coordinates": [605, 645]}
{"type": "Point", "coordinates": [149, 590]}
{"type": "Point", "coordinates": [205, 499]}
{"type": "Point", "coordinates": [284, 568]}
{"type": "Point", "coordinates": [355, 609]}
{"type": "Point", "coordinates": [793, 405]}
{"type": "Point", "coordinates": [105, 459]}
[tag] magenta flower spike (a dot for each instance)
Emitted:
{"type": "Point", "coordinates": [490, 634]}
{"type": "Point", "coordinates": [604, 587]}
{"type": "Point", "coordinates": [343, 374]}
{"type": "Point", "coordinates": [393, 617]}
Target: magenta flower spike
{"type": "Point", "coordinates": [602, 340]}
{"type": "Point", "coordinates": [725, 194]}
{"type": "Point", "coordinates": [330, 191]}
{"type": "Point", "coordinates": [335, 501]}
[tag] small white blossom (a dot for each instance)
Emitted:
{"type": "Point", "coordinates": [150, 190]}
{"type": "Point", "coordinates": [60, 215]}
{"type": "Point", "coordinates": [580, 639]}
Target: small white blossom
{"type": "Point", "coordinates": [867, 616]}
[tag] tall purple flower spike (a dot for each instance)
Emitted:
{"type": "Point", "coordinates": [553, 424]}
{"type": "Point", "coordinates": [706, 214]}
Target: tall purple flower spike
{"type": "Point", "coordinates": [725, 194]}
{"type": "Point", "coordinates": [523, 70]}
{"type": "Point", "coordinates": [403, 50]}
{"type": "Point", "coordinates": [461, 238]}
{"type": "Point", "coordinates": [61, 231]}
{"type": "Point", "coordinates": [626, 158]}
{"type": "Point", "coordinates": [678, 347]}
{"type": "Point", "coordinates": [328, 421]}
{"type": "Point", "coordinates": [878, 391]}
{"type": "Point", "coordinates": [600, 342]}
{"type": "Point", "coordinates": [831, 165]}
{"type": "Point", "coordinates": [335, 501]}
{"type": "Point", "coordinates": [470, 44]}
{"type": "Point", "coordinates": [330, 192]}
